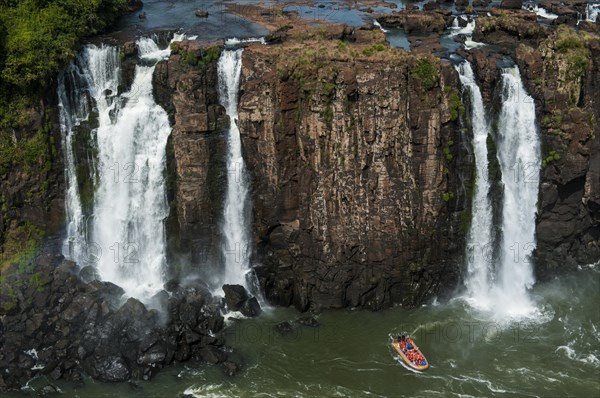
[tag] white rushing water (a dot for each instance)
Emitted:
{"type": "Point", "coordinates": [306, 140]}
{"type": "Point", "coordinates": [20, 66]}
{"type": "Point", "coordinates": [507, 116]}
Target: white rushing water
{"type": "Point", "coordinates": [479, 245]}
{"type": "Point", "coordinates": [235, 247]}
{"type": "Point", "coordinates": [591, 12]}
{"type": "Point", "coordinates": [126, 236]}
{"type": "Point", "coordinates": [542, 12]}
{"type": "Point", "coordinates": [467, 31]}
{"type": "Point", "coordinates": [95, 73]}
{"type": "Point", "coordinates": [498, 280]}
{"type": "Point", "coordinates": [518, 152]}
{"type": "Point", "coordinates": [234, 41]}
{"type": "Point", "coordinates": [130, 203]}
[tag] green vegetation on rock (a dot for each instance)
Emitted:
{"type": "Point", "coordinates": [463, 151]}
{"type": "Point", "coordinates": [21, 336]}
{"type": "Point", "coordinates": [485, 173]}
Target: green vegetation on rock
{"type": "Point", "coordinates": [552, 156]}
{"type": "Point", "coordinates": [39, 36]}
{"type": "Point", "coordinates": [427, 72]}
{"type": "Point", "coordinates": [571, 51]}
{"type": "Point", "coordinates": [456, 106]}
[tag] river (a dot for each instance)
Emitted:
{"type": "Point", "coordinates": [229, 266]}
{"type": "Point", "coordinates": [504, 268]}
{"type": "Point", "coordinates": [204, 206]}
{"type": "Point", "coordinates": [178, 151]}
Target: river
{"type": "Point", "coordinates": [554, 353]}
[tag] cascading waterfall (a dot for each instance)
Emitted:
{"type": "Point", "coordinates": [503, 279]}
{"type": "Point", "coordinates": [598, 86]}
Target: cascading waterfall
{"type": "Point", "coordinates": [94, 73]}
{"type": "Point", "coordinates": [467, 31]}
{"type": "Point", "coordinates": [126, 238]}
{"type": "Point", "coordinates": [498, 281]}
{"type": "Point", "coordinates": [519, 158]}
{"type": "Point", "coordinates": [235, 247]}
{"type": "Point", "coordinates": [378, 25]}
{"type": "Point", "coordinates": [130, 201]}
{"type": "Point", "coordinates": [480, 234]}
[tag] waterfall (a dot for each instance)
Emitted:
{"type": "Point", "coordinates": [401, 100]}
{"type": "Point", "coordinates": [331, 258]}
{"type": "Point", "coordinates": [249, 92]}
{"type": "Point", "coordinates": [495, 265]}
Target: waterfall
{"type": "Point", "coordinates": [467, 31]}
{"type": "Point", "coordinates": [72, 110]}
{"type": "Point", "coordinates": [125, 235]}
{"type": "Point", "coordinates": [479, 240]}
{"type": "Point", "coordinates": [519, 158]}
{"type": "Point", "coordinates": [94, 73]}
{"type": "Point", "coordinates": [455, 24]}
{"type": "Point", "coordinates": [497, 281]}
{"type": "Point", "coordinates": [235, 247]}
{"type": "Point", "coordinates": [130, 203]}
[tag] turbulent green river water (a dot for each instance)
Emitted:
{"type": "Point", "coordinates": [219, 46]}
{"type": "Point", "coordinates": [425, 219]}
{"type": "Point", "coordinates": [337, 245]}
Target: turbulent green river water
{"type": "Point", "coordinates": [555, 353]}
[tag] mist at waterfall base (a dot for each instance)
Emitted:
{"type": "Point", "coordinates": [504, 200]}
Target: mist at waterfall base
{"type": "Point", "coordinates": [350, 353]}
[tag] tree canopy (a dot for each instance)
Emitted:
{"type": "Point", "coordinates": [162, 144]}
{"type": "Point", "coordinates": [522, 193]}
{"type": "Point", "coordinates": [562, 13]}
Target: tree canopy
{"type": "Point", "coordinates": [38, 37]}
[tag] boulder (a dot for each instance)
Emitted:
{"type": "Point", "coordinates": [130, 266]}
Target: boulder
{"type": "Point", "coordinates": [251, 308]}
{"type": "Point", "coordinates": [88, 274]}
{"type": "Point", "coordinates": [110, 368]}
{"type": "Point", "coordinates": [235, 296]}
{"type": "Point", "coordinates": [230, 368]}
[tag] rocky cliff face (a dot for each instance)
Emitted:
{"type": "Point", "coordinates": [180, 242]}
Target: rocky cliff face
{"type": "Point", "coordinates": [563, 75]}
{"type": "Point", "coordinates": [32, 183]}
{"type": "Point", "coordinates": [354, 155]}
{"type": "Point", "coordinates": [196, 152]}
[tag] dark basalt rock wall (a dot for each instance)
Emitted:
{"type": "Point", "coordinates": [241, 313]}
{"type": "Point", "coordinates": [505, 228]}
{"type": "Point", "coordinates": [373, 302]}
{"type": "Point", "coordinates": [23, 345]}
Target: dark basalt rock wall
{"type": "Point", "coordinates": [196, 154]}
{"type": "Point", "coordinates": [355, 179]}
{"type": "Point", "coordinates": [32, 192]}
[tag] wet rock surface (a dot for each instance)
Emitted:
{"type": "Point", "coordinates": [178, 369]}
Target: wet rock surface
{"type": "Point", "coordinates": [238, 299]}
{"type": "Point", "coordinates": [55, 324]}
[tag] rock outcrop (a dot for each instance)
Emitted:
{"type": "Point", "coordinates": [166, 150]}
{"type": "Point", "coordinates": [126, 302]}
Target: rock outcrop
{"type": "Point", "coordinates": [187, 87]}
{"type": "Point", "coordinates": [508, 28]}
{"type": "Point", "coordinates": [354, 153]}
{"type": "Point", "coordinates": [31, 182]}
{"type": "Point", "coordinates": [563, 75]}
{"type": "Point", "coordinates": [54, 324]}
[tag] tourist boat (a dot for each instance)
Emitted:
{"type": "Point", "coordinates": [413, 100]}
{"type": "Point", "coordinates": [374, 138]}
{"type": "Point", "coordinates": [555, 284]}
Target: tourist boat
{"type": "Point", "coordinates": [396, 345]}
